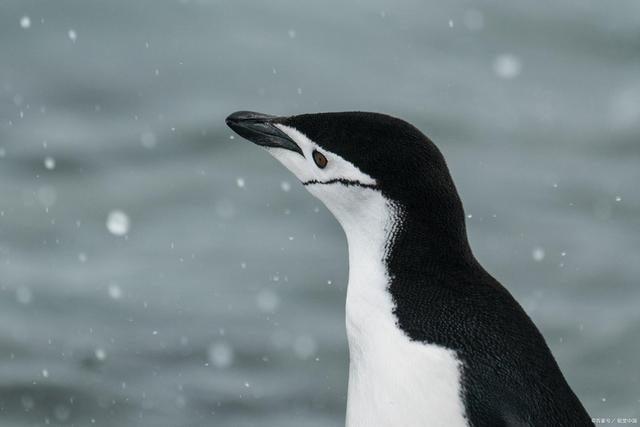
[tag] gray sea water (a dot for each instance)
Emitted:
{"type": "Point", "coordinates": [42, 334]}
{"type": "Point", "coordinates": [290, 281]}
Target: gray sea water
{"type": "Point", "coordinates": [155, 271]}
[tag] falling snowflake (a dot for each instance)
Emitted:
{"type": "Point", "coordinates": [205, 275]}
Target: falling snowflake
{"type": "Point", "coordinates": [25, 22]}
{"type": "Point", "coordinates": [118, 223]}
{"type": "Point", "coordinates": [267, 301]}
{"type": "Point", "coordinates": [285, 186]}
{"type": "Point", "coordinates": [49, 163]}
{"type": "Point", "coordinates": [220, 354]}
{"type": "Point", "coordinates": [537, 254]}
{"type": "Point", "coordinates": [100, 354]}
{"type": "Point", "coordinates": [114, 290]}
{"type": "Point", "coordinates": [507, 66]}
{"type": "Point", "coordinates": [148, 139]}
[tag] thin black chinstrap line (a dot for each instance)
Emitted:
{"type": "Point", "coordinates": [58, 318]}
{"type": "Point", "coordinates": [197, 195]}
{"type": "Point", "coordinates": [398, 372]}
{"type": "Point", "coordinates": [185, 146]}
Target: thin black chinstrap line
{"type": "Point", "coordinates": [342, 181]}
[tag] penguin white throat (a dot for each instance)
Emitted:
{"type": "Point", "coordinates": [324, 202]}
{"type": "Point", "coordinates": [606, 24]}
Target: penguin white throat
{"type": "Point", "coordinates": [393, 380]}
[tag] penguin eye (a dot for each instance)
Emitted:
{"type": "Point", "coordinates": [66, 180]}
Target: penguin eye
{"type": "Point", "coordinates": [320, 159]}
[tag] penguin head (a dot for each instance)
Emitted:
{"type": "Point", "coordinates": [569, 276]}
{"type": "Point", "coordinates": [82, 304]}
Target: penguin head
{"type": "Point", "coordinates": [349, 159]}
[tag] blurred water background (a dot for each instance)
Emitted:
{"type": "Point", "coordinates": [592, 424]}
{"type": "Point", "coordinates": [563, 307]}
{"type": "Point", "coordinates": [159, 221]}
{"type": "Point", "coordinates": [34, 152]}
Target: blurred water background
{"type": "Point", "coordinates": [155, 271]}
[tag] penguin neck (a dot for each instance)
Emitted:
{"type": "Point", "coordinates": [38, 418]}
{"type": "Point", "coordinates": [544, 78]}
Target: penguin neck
{"type": "Point", "coordinates": [390, 240]}
{"type": "Point", "coordinates": [383, 358]}
{"type": "Point", "coordinates": [369, 226]}
{"type": "Point", "coordinates": [430, 243]}
{"type": "Point", "coordinates": [369, 221]}
{"type": "Point", "coordinates": [395, 250]}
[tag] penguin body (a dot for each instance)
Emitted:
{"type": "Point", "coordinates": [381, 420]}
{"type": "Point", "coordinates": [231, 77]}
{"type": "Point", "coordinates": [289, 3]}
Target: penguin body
{"type": "Point", "coordinates": [434, 340]}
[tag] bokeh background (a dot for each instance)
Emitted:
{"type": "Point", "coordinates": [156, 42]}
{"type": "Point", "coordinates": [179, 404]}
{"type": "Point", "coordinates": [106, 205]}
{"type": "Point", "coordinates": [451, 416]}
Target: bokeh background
{"type": "Point", "coordinates": [157, 271]}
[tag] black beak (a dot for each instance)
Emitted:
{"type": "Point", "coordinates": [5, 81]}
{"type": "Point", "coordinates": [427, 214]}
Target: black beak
{"type": "Point", "coordinates": [259, 128]}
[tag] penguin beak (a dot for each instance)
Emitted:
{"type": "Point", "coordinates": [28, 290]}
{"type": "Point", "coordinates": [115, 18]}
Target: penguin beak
{"type": "Point", "coordinates": [260, 129]}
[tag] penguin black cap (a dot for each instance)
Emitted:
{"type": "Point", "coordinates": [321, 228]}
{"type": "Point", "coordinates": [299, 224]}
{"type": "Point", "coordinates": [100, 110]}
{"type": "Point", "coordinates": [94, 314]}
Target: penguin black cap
{"type": "Point", "coordinates": [434, 339]}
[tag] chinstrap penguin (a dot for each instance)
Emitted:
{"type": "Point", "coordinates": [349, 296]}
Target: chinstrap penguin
{"type": "Point", "coordinates": [434, 340]}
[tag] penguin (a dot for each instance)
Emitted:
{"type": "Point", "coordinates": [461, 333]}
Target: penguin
{"type": "Point", "coordinates": [434, 339]}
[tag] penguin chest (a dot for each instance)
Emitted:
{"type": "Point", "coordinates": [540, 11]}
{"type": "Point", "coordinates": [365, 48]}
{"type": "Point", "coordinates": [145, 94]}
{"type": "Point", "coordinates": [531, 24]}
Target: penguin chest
{"type": "Point", "coordinates": [394, 381]}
